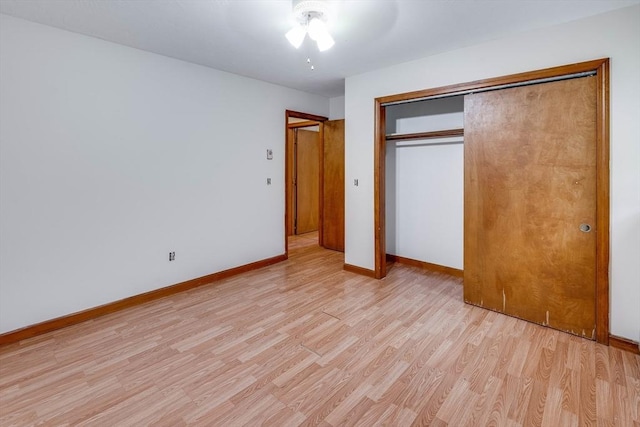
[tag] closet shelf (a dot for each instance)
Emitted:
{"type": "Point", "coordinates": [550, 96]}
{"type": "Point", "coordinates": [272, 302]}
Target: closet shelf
{"type": "Point", "coordinates": [425, 135]}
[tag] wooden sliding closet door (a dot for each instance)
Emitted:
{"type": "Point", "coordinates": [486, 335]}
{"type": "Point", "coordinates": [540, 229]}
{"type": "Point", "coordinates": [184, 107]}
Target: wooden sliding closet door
{"type": "Point", "coordinates": [530, 203]}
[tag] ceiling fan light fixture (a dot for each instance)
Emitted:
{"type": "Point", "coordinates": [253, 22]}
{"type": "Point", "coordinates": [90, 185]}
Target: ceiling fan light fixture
{"type": "Point", "coordinates": [311, 17]}
{"type": "Point", "coordinates": [316, 29]}
{"type": "Point", "coordinates": [325, 42]}
{"type": "Point", "coordinates": [296, 35]}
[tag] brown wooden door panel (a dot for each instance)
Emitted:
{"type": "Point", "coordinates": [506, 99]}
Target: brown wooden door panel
{"type": "Point", "coordinates": [333, 197]}
{"type": "Point", "coordinates": [290, 185]}
{"type": "Point", "coordinates": [530, 181]}
{"type": "Point", "coordinates": [307, 181]}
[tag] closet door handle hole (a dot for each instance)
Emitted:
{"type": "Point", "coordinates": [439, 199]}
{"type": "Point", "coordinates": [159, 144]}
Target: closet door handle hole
{"type": "Point", "coordinates": [585, 228]}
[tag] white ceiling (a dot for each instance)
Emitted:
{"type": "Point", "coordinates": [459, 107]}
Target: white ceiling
{"type": "Point", "coordinates": [247, 36]}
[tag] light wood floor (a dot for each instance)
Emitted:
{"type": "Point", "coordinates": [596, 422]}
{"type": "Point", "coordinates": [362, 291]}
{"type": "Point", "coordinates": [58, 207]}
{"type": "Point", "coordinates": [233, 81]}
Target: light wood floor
{"type": "Point", "coordinates": [306, 343]}
{"type": "Point", "coordinates": [303, 240]}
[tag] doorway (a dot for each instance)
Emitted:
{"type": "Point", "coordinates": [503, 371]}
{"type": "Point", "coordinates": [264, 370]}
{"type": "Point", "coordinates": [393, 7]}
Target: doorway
{"type": "Point", "coordinates": [314, 176]}
{"type": "Point", "coordinates": [303, 178]}
{"type": "Point", "coordinates": [596, 70]}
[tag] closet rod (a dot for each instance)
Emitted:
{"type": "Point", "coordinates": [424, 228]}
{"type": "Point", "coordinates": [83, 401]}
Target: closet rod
{"type": "Point", "coordinates": [498, 87]}
{"type": "Point", "coordinates": [425, 135]}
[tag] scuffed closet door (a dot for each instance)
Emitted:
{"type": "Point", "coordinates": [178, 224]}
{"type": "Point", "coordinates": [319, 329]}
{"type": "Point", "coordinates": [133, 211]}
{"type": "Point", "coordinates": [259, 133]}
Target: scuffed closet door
{"type": "Point", "coordinates": [530, 203]}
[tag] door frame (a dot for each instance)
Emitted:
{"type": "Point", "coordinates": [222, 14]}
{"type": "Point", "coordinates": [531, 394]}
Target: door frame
{"type": "Point", "coordinates": [309, 120]}
{"type": "Point", "coordinates": [601, 69]}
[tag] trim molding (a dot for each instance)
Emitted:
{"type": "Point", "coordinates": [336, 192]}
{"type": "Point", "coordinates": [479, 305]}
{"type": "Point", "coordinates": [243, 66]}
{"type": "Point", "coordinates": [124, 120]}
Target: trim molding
{"type": "Point", "coordinates": [112, 307]}
{"type": "Point", "coordinates": [359, 270]}
{"type": "Point", "coordinates": [379, 190]}
{"type": "Point", "coordinates": [624, 344]}
{"type": "Point", "coordinates": [602, 205]}
{"type": "Point", "coordinates": [544, 73]}
{"type": "Point", "coordinates": [426, 265]}
{"type": "Point", "coordinates": [305, 116]}
{"type": "Point", "coordinates": [302, 124]}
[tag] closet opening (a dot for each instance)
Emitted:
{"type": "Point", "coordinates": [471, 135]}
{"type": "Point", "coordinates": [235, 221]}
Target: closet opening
{"type": "Point", "coordinates": [402, 138]}
{"type": "Point", "coordinates": [424, 184]}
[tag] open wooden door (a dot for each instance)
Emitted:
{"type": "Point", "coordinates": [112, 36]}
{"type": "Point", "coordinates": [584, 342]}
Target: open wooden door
{"type": "Point", "coordinates": [290, 185]}
{"type": "Point", "coordinates": [307, 181]}
{"type": "Point", "coordinates": [530, 203]}
{"type": "Point", "coordinates": [333, 188]}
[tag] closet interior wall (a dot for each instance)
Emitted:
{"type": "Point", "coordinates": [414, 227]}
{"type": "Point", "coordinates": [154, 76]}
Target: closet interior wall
{"type": "Point", "coordinates": [424, 183]}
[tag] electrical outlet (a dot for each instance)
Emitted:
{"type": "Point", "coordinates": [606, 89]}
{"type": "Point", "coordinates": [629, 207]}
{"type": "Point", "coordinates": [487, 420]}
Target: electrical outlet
{"type": "Point", "coordinates": [172, 256]}
{"type": "Point", "coordinates": [355, 182]}
{"type": "Point", "coordinates": [269, 154]}
{"type": "Point", "coordinates": [268, 181]}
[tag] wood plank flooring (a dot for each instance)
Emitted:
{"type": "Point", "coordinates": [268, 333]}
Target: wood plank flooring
{"type": "Point", "coordinates": [306, 343]}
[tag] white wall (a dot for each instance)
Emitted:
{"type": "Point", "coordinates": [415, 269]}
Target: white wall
{"type": "Point", "coordinates": [615, 35]}
{"type": "Point", "coordinates": [110, 157]}
{"type": "Point", "coordinates": [336, 108]}
{"type": "Point", "coordinates": [424, 183]}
